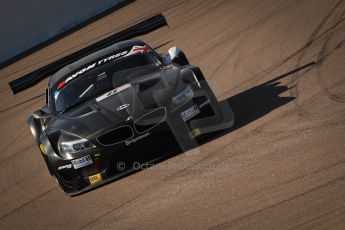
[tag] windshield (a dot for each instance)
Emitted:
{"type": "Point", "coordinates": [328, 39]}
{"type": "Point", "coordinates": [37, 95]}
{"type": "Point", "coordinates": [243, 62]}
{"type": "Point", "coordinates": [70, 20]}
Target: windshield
{"type": "Point", "coordinates": [102, 79]}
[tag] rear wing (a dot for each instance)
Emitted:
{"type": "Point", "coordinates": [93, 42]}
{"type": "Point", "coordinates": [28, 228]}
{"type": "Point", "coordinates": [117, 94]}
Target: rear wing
{"type": "Point", "coordinates": [141, 28]}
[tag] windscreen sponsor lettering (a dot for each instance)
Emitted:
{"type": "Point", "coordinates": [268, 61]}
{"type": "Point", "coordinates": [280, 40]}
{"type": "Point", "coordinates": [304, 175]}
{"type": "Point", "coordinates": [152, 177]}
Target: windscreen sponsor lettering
{"type": "Point", "coordinates": [134, 50]}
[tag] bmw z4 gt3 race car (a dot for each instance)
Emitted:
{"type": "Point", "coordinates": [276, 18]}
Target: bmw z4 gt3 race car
{"type": "Point", "coordinates": [122, 104]}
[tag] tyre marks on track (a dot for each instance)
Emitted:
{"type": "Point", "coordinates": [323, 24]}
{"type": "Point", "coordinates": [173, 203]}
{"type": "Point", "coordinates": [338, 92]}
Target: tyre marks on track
{"type": "Point", "coordinates": [294, 92]}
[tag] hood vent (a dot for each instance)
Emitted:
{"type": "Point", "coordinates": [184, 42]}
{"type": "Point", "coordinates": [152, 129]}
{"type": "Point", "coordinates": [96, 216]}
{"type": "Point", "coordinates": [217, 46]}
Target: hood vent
{"type": "Point", "coordinates": [79, 112]}
{"type": "Point", "coordinates": [150, 120]}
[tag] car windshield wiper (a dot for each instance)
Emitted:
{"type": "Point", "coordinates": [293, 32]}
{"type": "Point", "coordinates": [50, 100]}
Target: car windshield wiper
{"type": "Point", "coordinates": [87, 90]}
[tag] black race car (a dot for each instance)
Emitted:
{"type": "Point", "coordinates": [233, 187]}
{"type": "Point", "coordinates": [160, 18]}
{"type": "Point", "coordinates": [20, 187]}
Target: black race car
{"type": "Point", "coordinates": [121, 107]}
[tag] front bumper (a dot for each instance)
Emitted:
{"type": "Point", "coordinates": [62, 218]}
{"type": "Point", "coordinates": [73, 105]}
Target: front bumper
{"type": "Point", "coordinates": [156, 144]}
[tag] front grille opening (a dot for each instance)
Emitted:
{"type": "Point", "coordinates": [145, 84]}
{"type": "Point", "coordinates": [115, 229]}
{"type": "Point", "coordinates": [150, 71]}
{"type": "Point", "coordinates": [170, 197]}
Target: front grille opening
{"type": "Point", "coordinates": [206, 109]}
{"type": "Point", "coordinates": [150, 120]}
{"type": "Point", "coordinates": [165, 146]}
{"type": "Point", "coordinates": [116, 136]}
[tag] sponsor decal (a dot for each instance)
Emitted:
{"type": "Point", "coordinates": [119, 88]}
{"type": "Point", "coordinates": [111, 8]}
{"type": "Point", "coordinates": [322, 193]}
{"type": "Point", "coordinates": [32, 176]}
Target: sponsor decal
{"type": "Point", "coordinates": [112, 57]}
{"type": "Point", "coordinates": [68, 166]}
{"type": "Point", "coordinates": [95, 178]}
{"type": "Point", "coordinates": [121, 107]}
{"type": "Point", "coordinates": [138, 49]}
{"type": "Point", "coordinates": [194, 133]}
{"type": "Point", "coordinates": [112, 92]}
{"type": "Point", "coordinates": [56, 94]}
{"type": "Point", "coordinates": [81, 162]}
{"type": "Point", "coordinates": [61, 84]}
{"type": "Point", "coordinates": [134, 50]}
{"type": "Point", "coordinates": [137, 139]}
{"type": "Point", "coordinates": [190, 113]}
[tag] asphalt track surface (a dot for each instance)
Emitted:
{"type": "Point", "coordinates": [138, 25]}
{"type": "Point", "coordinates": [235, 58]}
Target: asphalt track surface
{"type": "Point", "coordinates": [281, 66]}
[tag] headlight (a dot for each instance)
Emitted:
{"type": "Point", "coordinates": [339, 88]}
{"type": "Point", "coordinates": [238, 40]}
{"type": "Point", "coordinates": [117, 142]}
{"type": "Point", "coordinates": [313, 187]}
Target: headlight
{"type": "Point", "coordinates": [183, 97]}
{"type": "Point", "coordinates": [76, 146]}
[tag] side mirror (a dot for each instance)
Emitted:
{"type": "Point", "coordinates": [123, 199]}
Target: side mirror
{"type": "Point", "coordinates": [39, 114]}
{"type": "Point", "coordinates": [176, 55]}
